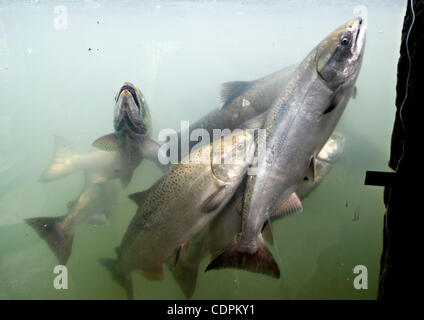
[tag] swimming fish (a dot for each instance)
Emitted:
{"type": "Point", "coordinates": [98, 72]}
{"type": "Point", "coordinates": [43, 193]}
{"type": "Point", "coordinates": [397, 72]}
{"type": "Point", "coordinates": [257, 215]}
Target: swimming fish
{"type": "Point", "coordinates": [106, 199]}
{"type": "Point", "coordinates": [297, 126]}
{"type": "Point", "coordinates": [121, 153]}
{"type": "Point", "coordinates": [179, 205]}
{"type": "Point", "coordinates": [93, 206]}
{"type": "Point", "coordinates": [216, 236]}
{"type": "Point", "coordinates": [118, 154]}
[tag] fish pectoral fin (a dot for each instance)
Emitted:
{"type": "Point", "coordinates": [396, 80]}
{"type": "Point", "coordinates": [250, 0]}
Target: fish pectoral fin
{"type": "Point", "coordinates": [186, 277]}
{"type": "Point", "coordinates": [185, 249]}
{"type": "Point", "coordinates": [124, 279]}
{"type": "Point", "coordinates": [107, 143]}
{"type": "Point", "coordinates": [291, 206]}
{"type": "Point", "coordinates": [231, 90]}
{"type": "Point", "coordinates": [185, 274]}
{"type": "Point", "coordinates": [138, 197]}
{"type": "Point", "coordinates": [354, 92]}
{"type": "Point", "coordinates": [151, 150]}
{"type": "Point", "coordinates": [335, 99]}
{"type": "Point", "coordinates": [214, 200]}
{"type": "Point", "coordinates": [311, 172]}
{"type": "Point", "coordinates": [255, 122]}
{"type": "Point", "coordinates": [267, 233]}
{"type": "Point", "coordinates": [177, 255]}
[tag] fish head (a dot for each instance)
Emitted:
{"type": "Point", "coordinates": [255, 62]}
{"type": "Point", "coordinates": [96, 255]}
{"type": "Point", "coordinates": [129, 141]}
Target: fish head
{"type": "Point", "coordinates": [339, 56]}
{"type": "Point", "coordinates": [131, 110]}
{"type": "Point", "coordinates": [232, 154]}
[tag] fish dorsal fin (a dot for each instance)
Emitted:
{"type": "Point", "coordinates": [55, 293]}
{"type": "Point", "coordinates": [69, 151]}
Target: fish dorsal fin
{"type": "Point", "coordinates": [291, 206]}
{"type": "Point", "coordinates": [138, 197]}
{"type": "Point", "coordinates": [256, 122]}
{"type": "Point", "coordinates": [107, 143]}
{"type": "Point", "coordinates": [214, 200]}
{"type": "Point", "coordinates": [231, 90]}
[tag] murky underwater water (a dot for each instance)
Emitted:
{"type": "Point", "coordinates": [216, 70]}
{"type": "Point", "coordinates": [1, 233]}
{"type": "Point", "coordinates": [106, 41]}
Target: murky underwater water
{"type": "Point", "coordinates": [63, 81]}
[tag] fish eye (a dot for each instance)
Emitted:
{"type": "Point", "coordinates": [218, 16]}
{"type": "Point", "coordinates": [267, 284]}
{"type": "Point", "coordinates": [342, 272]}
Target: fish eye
{"type": "Point", "coordinates": [240, 146]}
{"type": "Point", "coordinates": [344, 41]}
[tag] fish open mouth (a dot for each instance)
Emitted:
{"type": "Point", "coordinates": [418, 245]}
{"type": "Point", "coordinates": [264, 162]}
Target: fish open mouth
{"type": "Point", "coordinates": [359, 29]}
{"type": "Point", "coordinates": [133, 94]}
{"type": "Point", "coordinates": [360, 35]}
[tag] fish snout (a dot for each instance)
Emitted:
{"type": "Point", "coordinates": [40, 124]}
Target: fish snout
{"type": "Point", "coordinates": [360, 37]}
{"type": "Point", "coordinates": [127, 112]}
{"type": "Point", "coordinates": [131, 109]}
{"type": "Point", "coordinates": [126, 101]}
{"type": "Point", "coordinates": [356, 28]}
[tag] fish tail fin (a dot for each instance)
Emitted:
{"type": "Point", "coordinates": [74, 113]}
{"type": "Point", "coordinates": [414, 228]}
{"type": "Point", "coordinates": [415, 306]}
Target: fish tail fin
{"type": "Point", "coordinates": [235, 256]}
{"type": "Point", "coordinates": [124, 279]}
{"type": "Point", "coordinates": [61, 163]}
{"type": "Point", "coordinates": [58, 239]}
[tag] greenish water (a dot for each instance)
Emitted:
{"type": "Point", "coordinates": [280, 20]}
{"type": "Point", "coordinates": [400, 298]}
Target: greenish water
{"type": "Point", "coordinates": [178, 53]}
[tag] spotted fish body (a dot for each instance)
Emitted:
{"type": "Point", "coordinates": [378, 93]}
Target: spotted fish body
{"type": "Point", "coordinates": [217, 235]}
{"type": "Point", "coordinates": [177, 207]}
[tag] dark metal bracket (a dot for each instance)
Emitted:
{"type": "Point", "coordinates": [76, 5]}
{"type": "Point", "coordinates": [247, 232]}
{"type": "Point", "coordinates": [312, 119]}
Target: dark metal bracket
{"type": "Point", "coordinates": [379, 178]}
